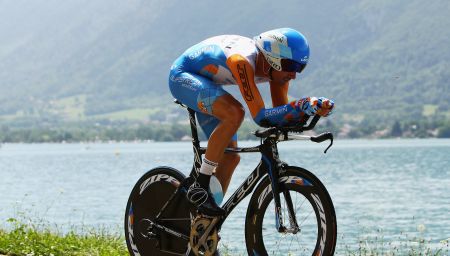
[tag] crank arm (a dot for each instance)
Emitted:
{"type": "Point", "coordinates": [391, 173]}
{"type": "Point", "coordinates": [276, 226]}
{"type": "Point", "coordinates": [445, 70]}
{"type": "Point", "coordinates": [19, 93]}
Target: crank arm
{"type": "Point", "coordinates": [210, 227]}
{"type": "Point", "coordinates": [167, 230]}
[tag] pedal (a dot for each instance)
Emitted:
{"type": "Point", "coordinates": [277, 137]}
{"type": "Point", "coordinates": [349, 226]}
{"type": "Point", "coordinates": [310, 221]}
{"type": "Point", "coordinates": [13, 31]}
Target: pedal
{"type": "Point", "coordinates": [204, 238]}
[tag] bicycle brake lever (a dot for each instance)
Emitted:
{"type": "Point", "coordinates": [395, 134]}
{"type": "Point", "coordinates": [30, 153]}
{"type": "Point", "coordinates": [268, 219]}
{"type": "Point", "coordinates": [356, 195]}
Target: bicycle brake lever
{"type": "Point", "coordinates": [323, 137]}
{"type": "Point", "coordinates": [329, 146]}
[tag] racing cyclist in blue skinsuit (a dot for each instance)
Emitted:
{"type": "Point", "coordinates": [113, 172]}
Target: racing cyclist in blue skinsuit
{"type": "Point", "coordinates": [197, 79]}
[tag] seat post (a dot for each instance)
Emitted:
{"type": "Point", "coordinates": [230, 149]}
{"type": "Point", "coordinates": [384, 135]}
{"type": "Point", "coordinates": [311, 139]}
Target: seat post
{"type": "Point", "coordinates": [193, 123]}
{"type": "Point", "coordinates": [194, 132]}
{"type": "Point", "coordinates": [196, 145]}
{"type": "Point", "coordinates": [195, 141]}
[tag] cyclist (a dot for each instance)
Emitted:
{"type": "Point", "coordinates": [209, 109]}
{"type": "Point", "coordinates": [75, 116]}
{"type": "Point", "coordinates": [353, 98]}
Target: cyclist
{"type": "Point", "coordinates": [197, 78]}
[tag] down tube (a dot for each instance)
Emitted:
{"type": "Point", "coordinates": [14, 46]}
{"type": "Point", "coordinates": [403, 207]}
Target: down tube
{"type": "Point", "coordinates": [246, 187]}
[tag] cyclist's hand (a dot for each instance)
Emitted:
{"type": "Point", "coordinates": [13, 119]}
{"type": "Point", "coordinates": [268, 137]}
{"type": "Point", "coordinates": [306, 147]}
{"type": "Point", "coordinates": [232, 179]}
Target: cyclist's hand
{"type": "Point", "coordinates": [325, 106]}
{"type": "Point", "coordinates": [312, 106]}
{"type": "Point", "coordinates": [307, 105]}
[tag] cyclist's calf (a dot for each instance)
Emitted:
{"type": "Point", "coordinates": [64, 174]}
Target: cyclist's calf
{"type": "Point", "coordinates": [226, 167]}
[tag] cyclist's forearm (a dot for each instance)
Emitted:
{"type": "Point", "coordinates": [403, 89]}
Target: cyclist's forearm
{"type": "Point", "coordinates": [278, 116]}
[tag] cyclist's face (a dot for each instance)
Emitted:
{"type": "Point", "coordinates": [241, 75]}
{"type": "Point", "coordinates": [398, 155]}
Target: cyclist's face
{"type": "Point", "coordinates": [283, 76]}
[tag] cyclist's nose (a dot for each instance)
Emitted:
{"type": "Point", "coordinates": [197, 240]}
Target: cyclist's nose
{"type": "Point", "coordinates": [291, 75]}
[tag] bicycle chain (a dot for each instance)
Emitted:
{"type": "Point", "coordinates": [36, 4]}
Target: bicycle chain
{"type": "Point", "coordinates": [198, 227]}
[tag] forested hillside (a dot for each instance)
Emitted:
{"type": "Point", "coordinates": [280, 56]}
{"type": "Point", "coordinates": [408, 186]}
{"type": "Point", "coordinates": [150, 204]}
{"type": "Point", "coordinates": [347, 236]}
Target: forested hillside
{"type": "Point", "coordinates": [81, 60]}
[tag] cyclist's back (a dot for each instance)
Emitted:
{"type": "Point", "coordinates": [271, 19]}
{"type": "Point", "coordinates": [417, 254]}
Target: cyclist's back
{"type": "Point", "coordinates": [209, 58]}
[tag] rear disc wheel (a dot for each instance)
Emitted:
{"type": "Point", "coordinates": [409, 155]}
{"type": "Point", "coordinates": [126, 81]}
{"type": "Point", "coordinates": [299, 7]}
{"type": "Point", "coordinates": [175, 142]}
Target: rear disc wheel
{"type": "Point", "coordinates": [146, 200]}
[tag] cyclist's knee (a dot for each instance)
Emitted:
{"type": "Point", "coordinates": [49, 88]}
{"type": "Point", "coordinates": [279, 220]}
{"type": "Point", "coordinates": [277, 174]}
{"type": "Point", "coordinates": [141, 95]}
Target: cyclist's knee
{"type": "Point", "coordinates": [227, 109]}
{"type": "Point", "coordinates": [234, 158]}
{"type": "Point", "coordinates": [235, 115]}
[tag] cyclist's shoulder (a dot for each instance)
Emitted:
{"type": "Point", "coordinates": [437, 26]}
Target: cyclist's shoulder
{"type": "Point", "coordinates": [229, 41]}
{"type": "Point", "coordinates": [227, 45]}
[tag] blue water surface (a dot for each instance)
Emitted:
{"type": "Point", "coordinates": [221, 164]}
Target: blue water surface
{"type": "Point", "coordinates": [381, 189]}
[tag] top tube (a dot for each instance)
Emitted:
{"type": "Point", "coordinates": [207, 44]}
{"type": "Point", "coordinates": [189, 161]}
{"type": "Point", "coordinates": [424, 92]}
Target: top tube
{"type": "Point", "coordinates": [254, 149]}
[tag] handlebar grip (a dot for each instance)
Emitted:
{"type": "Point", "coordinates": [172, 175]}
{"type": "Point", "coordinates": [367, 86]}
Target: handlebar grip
{"type": "Point", "coordinates": [265, 132]}
{"type": "Point", "coordinates": [322, 137]}
{"type": "Point", "coordinates": [312, 123]}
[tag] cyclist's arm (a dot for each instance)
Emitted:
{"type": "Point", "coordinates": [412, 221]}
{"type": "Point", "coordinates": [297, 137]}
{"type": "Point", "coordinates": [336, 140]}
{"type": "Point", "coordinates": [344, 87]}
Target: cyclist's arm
{"type": "Point", "coordinates": [245, 78]}
{"type": "Point", "coordinates": [279, 93]}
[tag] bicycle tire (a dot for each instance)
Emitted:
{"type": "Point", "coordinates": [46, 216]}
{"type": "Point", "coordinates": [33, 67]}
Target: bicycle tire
{"type": "Point", "coordinates": [260, 219]}
{"type": "Point", "coordinates": [147, 198]}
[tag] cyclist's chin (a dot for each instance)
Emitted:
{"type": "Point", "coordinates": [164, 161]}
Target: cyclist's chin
{"type": "Point", "coordinates": [282, 80]}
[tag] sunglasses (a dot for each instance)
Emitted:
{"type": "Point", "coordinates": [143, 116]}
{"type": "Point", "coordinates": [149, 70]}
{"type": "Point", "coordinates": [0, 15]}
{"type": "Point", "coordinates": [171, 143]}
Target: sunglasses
{"type": "Point", "coordinates": [291, 66]}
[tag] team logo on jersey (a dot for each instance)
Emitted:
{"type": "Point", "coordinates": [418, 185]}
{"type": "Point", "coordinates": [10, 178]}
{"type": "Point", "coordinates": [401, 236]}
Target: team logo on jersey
{"type": "Point", "coordinates": [209, 70]}
{"type": "Point", "coordinates": [245, 82]}
{"type": "Point", "coordinates": [202, 107]}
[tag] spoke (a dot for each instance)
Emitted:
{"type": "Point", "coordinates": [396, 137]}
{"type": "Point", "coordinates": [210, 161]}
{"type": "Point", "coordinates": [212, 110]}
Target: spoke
{"type": "Point", "coordinates": [298, 242]}
{"type": "Point", "coordinates": [300, 206]}
{"type": "Point", "coordinates": [288, 243]}
{"type": "Point", "coordinates": [306, 217]}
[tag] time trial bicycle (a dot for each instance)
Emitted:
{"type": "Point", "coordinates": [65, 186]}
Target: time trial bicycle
{"type": "Point", "coordinates": [290, 211]}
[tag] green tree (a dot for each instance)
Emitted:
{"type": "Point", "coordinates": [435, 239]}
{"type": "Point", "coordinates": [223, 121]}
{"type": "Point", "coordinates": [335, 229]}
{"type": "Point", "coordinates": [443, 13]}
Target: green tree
{"type": "Point", "coordinates": [444, 132]}
{"type": "Point", "coordinates": [396, 130]}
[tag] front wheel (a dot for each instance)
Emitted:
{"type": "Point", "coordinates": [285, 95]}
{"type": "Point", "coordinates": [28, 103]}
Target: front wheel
{"type": "Point", "coordinates": [315, 232]}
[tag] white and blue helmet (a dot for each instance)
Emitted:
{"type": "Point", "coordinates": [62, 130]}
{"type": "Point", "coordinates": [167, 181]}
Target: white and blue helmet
{"type": "Point", "coordinates": [285, 49]}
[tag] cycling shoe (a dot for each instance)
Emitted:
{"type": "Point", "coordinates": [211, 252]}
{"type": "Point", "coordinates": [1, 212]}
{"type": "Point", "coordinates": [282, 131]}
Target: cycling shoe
{"type": "Point", "coordinates": [204, 200]}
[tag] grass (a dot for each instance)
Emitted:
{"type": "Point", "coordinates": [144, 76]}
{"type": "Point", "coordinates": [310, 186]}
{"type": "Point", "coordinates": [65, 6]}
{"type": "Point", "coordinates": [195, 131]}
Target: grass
{"type": "Point", "coordinates": [429, 110]}
{"type": "Point", "coordinates": [39, 239]}
{"type": "Point", "coordinates": [70, 108]}
{"type": "Point", "coordinates": [129, 114]}
{"type": "Point", "coordinates": [405, 243]}
{"type": "Point", "coordinates": [30, 239]}
{"type": "Point", "coordinates": [73, 108]}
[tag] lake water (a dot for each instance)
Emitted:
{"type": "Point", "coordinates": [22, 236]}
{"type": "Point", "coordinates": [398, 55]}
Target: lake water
{"type": "Point", "coordinates": [393, 190]}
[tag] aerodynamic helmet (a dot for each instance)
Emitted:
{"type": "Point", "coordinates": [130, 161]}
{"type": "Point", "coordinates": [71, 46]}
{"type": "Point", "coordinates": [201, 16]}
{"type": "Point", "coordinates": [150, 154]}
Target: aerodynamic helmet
{"type": "Point", "coordinates": [285, 49]}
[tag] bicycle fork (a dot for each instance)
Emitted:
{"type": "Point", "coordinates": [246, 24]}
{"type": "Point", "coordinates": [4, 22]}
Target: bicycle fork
{"type": "Point", "coordinates": [271, 158]}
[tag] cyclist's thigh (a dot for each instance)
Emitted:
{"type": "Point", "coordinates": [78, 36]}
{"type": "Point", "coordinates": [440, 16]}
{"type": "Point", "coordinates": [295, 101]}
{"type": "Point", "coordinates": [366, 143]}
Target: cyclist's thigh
{"type": "Point", "coordinates": [198, 93]}
{"type": "Point", "coordinates": [209, 123]}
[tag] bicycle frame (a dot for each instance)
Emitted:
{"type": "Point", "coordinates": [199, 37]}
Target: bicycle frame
{"type": "Point", "coordinates": [269, 165]}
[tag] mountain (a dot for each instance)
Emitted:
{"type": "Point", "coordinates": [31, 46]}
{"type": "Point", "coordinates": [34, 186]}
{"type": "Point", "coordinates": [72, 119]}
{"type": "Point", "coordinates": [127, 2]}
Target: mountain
{"type": "Point", "coordinates": [383, 59]}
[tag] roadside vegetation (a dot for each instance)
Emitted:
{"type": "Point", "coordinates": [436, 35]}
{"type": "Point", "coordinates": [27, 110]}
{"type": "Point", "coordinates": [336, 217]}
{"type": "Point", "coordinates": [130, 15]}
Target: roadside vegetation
{"type": "Point", "coordinates": [116, 131]}
{"type": "Point", "coordinates": [40, 239]}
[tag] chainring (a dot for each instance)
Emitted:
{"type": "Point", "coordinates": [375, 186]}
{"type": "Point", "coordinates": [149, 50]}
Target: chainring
{"type": "Point", "coordinates": [198, 227]}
